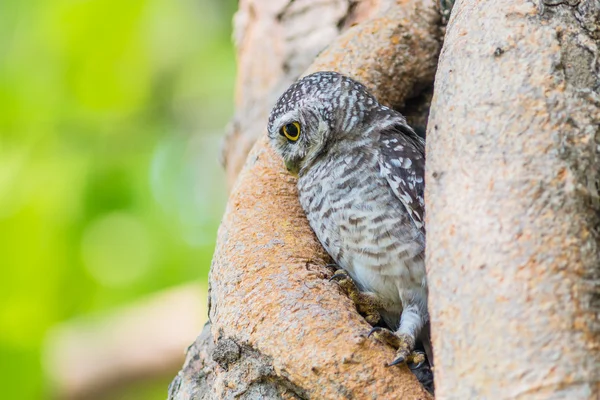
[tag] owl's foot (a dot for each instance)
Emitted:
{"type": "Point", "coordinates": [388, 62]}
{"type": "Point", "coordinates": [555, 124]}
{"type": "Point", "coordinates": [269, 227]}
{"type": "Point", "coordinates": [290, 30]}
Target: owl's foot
{"type": "Point", "coordinates": [367, 304]}
{"type": "Point", "coordinates": [405, 345]}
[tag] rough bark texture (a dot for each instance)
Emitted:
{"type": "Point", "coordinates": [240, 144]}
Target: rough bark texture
{"type": "Point", "coordinates": [512, 202]}
{"type": "Point", "coordinates": [279, 328]}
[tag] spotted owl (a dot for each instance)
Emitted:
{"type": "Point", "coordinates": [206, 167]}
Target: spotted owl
{"type": "Point", "coordinates": [360, 171]}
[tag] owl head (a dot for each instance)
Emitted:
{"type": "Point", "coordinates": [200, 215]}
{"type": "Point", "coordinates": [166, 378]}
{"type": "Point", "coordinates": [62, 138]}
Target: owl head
{"type": "Point", "coordinates": [317, 112]}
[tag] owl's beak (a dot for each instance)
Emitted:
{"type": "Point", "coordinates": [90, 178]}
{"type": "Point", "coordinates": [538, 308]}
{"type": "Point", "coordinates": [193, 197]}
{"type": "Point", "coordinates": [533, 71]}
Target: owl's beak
{"type": "Point", "coordinates": [292, 168]}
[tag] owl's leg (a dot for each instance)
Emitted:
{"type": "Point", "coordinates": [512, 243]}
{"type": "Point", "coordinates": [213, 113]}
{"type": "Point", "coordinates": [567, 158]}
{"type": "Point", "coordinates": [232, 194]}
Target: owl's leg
{"type": "Point", "coordinates": [404, 343]}
{"type": "Point", "coordinates": [367, 303]}
{"type": "Point", "coordinates": [411, 322]}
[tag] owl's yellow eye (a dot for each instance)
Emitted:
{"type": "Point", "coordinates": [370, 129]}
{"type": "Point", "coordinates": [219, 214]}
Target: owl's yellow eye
{"type": "Point", "coordinates": [291, 131]}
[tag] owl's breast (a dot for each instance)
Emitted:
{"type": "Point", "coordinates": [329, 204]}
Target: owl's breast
{"type": "Point", "coordinates": [364, 227]}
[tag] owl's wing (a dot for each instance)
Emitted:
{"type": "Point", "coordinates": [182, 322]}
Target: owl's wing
{"type": "Point", "coordinates": [402, 164]}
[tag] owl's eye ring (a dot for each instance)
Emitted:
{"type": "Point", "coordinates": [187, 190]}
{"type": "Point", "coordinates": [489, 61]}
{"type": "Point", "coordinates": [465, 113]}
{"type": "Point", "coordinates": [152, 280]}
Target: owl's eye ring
{"type": "Point", "coordinates": [291, 131]}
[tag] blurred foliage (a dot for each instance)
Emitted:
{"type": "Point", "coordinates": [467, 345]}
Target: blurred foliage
{"type": "Point", "coordinates": [110, 118]}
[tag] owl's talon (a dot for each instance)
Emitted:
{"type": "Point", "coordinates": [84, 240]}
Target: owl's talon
{"type": "Point", "coordinates": [385, 336]}
{"type": "Point", "coordinates": [397, 361]}
{"type": "Point", "coordinates": [373, 330]}
{"type": "Point", "coordinates": [366, 303]}
{"type": "Point", "coordinates": [403, 343]}
{"type": "Point", "coordinates": [373, 318]}
{"type": "Point", "coordinates": [416, 360]}
{"type": "Point", "coordinates": [339, 275]}
{"type": "Point", "coordinates": [413, 360]}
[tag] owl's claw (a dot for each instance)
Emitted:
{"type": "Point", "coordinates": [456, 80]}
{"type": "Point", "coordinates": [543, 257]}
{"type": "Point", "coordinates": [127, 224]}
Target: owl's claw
{"type": "Point", "coordinates": [414, 360]}
{"type": "Point", "coordinates": [385, 335]}
{"type": "Point", "coordinates": [417, 361]}
{"type": "Point", "coordinates": [339, 275]}
{"type": "Point", "coordinates": [366, 303]}
{"type": "Point", "coordinates": [404, 344]}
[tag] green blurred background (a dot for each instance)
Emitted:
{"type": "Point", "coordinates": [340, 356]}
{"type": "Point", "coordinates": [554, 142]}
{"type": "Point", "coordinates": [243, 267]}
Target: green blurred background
{"type": "Point", "coordinates": [111, 114]}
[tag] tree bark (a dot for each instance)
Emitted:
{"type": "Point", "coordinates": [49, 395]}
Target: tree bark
{"type": "Point", "coordinates": [279, 328]}
{"type": "Point", "coordinates": [512, 200]}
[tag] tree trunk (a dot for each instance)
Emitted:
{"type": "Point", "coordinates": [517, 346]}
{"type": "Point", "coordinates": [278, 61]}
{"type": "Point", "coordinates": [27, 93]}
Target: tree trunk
{"type": "Point", "coordinates": [513, 209]}
{"type": "Point", "coordinates": [512, 201]}
{"type": "Point", "coordinates": [279, 328]}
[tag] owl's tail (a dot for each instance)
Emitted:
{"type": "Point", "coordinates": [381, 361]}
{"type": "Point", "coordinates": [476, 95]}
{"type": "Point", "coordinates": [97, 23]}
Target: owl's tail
{"type": "Point", "coordinates": [425, 339]}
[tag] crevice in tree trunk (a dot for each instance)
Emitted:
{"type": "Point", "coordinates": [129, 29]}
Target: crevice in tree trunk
{"type": "Point", "coordinates": [416, 110]}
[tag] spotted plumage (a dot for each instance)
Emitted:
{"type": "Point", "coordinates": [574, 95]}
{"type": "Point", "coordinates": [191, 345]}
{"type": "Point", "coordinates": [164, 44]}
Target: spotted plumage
{"type": "Point", "coordinates": [360, 179]}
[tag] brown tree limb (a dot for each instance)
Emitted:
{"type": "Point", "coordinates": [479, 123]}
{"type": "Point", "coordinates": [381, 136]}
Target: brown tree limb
{"type": "Point", "coordinates": [512, 200]}
{"type": "Point", "coordinates": [279, 326]}
{"type": "Point", "coordinates": [95, 357]}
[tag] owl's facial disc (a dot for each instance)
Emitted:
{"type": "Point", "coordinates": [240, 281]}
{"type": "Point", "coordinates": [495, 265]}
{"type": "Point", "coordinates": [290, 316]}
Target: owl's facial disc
{"type": "Point", "coordinates": [298, 135]}
{"type": "Point", "coordinates": [302, 122]}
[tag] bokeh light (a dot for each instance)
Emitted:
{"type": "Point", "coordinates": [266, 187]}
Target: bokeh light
{"type": "Point", "coordinates": [116, 249]}
{"type": "Point", "coordinates": [111, 114]}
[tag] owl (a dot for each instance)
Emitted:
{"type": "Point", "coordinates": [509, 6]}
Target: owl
{"type": "Point", "coordinates": [360, 171]}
